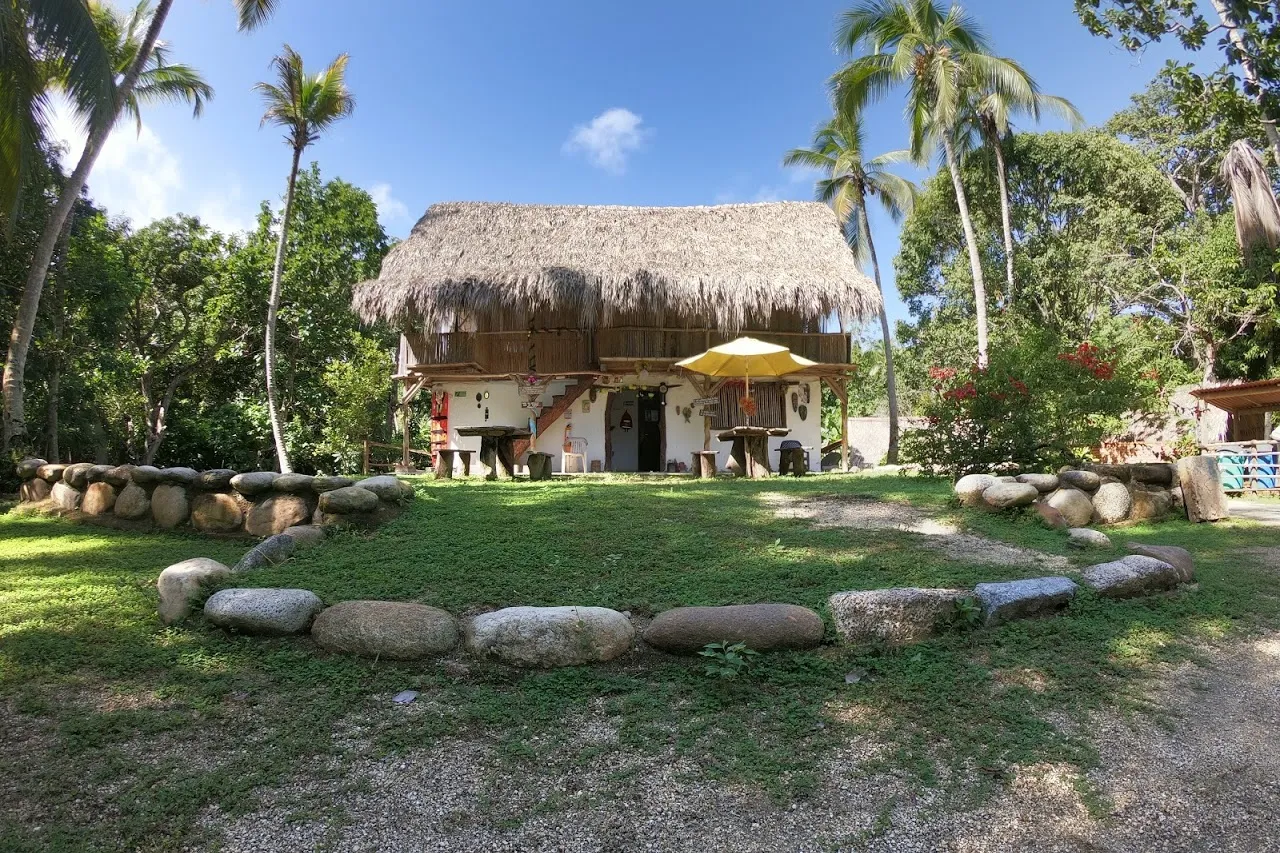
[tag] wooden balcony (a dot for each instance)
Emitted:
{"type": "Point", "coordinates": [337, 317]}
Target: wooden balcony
{"type": "Point", "coordinates": [581, 351]}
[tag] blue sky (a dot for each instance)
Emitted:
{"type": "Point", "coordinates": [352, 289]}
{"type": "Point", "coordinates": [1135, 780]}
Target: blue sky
{"type": "Point", "coordinates": [655, 103]}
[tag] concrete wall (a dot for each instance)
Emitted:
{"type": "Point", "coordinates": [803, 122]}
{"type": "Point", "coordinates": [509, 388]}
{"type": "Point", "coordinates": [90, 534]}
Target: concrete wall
{"type": "Point", "coordinates": [586, 420]}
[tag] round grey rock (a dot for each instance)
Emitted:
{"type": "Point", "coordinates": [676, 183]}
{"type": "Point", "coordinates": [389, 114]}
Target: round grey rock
{"type": "Point", "coordinates": [893, 616]}
{"type": "Point", "coordinates": [1087, 537]}
{"type": "Point", "coordinates": [391, 630]}
{"type": "Point", "coordinates": [1074, 505]}
{"type": "Point", "coordinates": [254, 483]}
{"type": "Point", "coordinates": [762, 627]}
{"type": "Point", "coordinates": [305, 535]}
{"type": "Point", "coordinates": [1131, 576]}
{"type": "Point", "coordinates": [29, 467]}
{"type": "Point", "coordinates": [276, 514]}
{"type": "Point", "coordinates": [293, 483]}
{"type": "Point", "coordinates": [169, 505]}
{"type": "Point", "coordinates": [550, 636]}
{"type": "Point", "coordinates": [347, 500]}
{"type": "Point", "coordinates": [1006, 495]}
{"type": "Point", "coordinates": [182, 584]}
{"type": "Point", "coordinates": [98, 473]}
{"type": "Point", "coordinates": [77, 476]}
{"type": "Point", "coordinates": [119, 476]}
{"type": "Point", "coordinates": [179, 476]}
{"type": "Point", "coordinates": [1179, 558]}
{"type": "Point", "coordinates": [215, 479]}
{"type": "Point", "coordinates": [263, 611]}
{"type": "Point", "coordinates": [387, 488]}
{"type": "Point", "coordinates": [1044, 483]}
{"type": "Point", "coordinates": [65, 497]}
{"type": "Point", "coordinates": [1019, 599]}
{"type": "Point", "coordinates": [215, 512]}
{"type": "Point", "coordinates": [132, 503]}
{"type": "Point", "coordinates": [146, 475]}
{"type": "Point", "coordinates": [1086, 481]}
{"type": "Point", "coordinates": [1150, 504]}
{"type": "Point", "coordinates": [1112, 502]}
{"type": "Point", "coordinates": [51, 472]}
{"type": "Point", "coordinates": [34, 490]}
{"type": "Point", "coordinates": [327, 483]}
{"type": "Point", "coordinates": [99, 498]}
{"type": "Point", "coordinates": [969, 488]}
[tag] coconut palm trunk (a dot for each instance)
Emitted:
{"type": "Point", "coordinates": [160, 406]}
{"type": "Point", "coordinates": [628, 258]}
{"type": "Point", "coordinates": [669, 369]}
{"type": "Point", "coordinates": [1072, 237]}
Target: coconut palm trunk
{"type": "Point", "coordinates": [890, 381]}
{"type": "Point", "coordinates": [14, 426]}
{"type": "Point", "coordinates": [1006, 222]}
{"type": "Point", "coordinates": [273, 311]}
{"type": "Point", "coordinates": [971, 243]}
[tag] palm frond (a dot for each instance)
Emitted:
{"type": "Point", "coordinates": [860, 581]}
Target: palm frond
{"type": "Point", "coordinates": [305, 104]}
{"type": "Point", "coordinates": [1256, 210]}
{"type": "Point", "coordinates": [254, 13]}
{"type": "Point", "coordinates": [180, 84]}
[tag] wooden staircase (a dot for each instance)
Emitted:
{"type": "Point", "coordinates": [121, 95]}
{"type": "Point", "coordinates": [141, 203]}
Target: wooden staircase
{"type": "Point", "coordinates": [559, 405]}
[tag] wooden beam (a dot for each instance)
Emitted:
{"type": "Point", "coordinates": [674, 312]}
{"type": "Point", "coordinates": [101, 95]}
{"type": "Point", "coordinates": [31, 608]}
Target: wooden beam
{"type": "Point", "coordinates": [842, 394]}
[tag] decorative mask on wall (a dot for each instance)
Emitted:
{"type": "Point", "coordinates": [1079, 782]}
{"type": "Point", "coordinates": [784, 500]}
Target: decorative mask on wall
{"type": "Point", "coordinates": [803, 411]}
{"type": "Point", "coordinates": [804, 392]}
{"type": "Point", "coordinates": [626, 422]}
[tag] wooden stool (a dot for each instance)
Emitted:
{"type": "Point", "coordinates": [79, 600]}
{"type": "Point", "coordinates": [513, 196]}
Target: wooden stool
{"type": "Point", "coordinates": [444, 462]}
{"type": "Point", "coordinates": [465, 456]}
{"type": "Point", "coordinates": [792, 460]}
{"type": "Point", "coordinates": [539, 465]}
{"type": "Point", "coordinates": [704, 464]}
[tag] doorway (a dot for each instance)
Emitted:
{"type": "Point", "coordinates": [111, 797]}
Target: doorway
{"type": "Point", "coordinates": [635, 431]}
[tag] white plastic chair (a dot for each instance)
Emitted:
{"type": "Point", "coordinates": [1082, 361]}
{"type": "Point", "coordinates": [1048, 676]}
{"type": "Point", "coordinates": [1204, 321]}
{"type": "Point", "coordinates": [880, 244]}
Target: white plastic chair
{"type": "Point", "coordinates": [575, 448]}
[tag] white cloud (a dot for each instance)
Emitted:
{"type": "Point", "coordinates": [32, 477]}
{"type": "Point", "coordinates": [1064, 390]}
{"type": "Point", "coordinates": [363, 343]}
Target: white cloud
{"type": "Point", "coordinates": [609, 139]}
{"type": "Point", "coordinates": [225, 211]}
{"type": "Point", "coordinates": [390, 208]}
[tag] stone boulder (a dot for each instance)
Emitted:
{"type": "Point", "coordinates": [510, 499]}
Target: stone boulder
{"type": "Point", "coordinates": [1044, 483]}
{"type": "Point", "coordinates": [1179, 558]}
{"type": "Point", "coordinates": [387, 488]}
{"type": "Point", "coordinates": [1112, 502]}
{"type": "Point", "coordinates": [263, 611]}
{"type": "Point", "coordinates": [254, 483]}
{"type": "Point", "coordinates": [389, 630]}
{"type": "Point", "coordinates": [763, 627]}
{"type": "Point", "coordinates": [215, 512]}
{"type": "Point", "coordinates": [182, 584]}
{"type": "Point", "coordinates": [1087, 537]}
{"type": "Point", "coordinates": [1020, 599]}
{"type": "Point", "coordinates": [215, 479]}
{"type": "Point", "coordinates": [893, 616]}
{"type": "Point", "coordinates": [1074, 505]}
{"type": "Point", "coordinates": [77, 476]}
{"type": "Point", "coordinates": [1086, 481]}
{"type": "Point", "coordinates": [970, 487]}
{"type": "Point", "coordinates": [268, 552]}
{"type": "Point", "coordinates": [34, 490]}
{"type": "Point", "coordinates": [51, 472]}
{"type": "Point", "coordinates": [1175, 495]}
{"type": "Point", "coordinates": [305, 535]}
{"type": "Point", "coordinates": [549, 636]}
{"type": "Point", "coordinates": [1202, 488]}
{"type": "Point", "coordinates": [1154, 473]}
{"type": "Point", "coordinates": [119, 476]}
{"type": "Point", "coordinates": [98, 473]}
{"type": "Point", "coordinates": [1150, 505]}
{"type": "Point", "coordinates": [348, 499]}
{"type": "Point", "coordinates": [65, 497]}
{"type": "Point", "coordinates": [99, 498]}
{"type": "Point", "coordinates": [132, 503]}
{"type": "Point", "coordinates": [1006, 495]}
{"type": "Point", "coordinates": [329, 483]}
{"type": "Point", "coordinates": [276, 514]}
{"type": "Point", "coordinates": [30, 467]}
{"type": "Point", "coordinates": [169, 505]}
{"type": "Point", "coordinates": [1111, 473]}
{"type": "Point", "coordinates": [146, 475]}
{"type": "Point", "coordinates": [1131, 576]}
{"type": "Point", "coordinates": [179, 476]}
{"type": "Point", "coordinates": [293, 483]}
{"type": "Point", "coordinates": [1050, 517]}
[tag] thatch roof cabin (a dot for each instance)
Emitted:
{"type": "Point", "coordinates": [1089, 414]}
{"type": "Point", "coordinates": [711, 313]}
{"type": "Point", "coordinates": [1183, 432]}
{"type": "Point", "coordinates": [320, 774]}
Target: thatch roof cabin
{"type": "Point", "coordinates": [727, 267]}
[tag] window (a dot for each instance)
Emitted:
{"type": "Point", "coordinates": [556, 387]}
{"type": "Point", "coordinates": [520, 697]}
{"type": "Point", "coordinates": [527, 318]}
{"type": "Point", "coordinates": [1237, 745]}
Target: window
{"type": "Point", "coordinates": [771, 409]}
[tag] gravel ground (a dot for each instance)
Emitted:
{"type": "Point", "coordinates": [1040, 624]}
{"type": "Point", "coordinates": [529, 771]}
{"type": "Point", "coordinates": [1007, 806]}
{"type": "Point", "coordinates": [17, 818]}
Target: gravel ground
{"type": "Point", "coordinates": [867, 514]}
{"type": "Point", "coordinates": [1206, 779]}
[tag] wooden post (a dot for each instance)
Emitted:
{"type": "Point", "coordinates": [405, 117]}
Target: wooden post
{"type": "Point", "coordinates": [404, 444]}
{"type": "Point", "coordinates": [365, 466]}
{"type": "Point", "coordinates": [842, 394]}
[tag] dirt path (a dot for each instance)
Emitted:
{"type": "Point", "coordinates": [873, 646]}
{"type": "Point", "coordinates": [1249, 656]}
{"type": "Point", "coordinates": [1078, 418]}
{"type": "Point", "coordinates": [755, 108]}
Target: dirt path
{"type": "Point", "coordinates": [868, 514]}
{"type": "Point", "coordinates": [1263, 512]}
{"type": "Point", "coordinates": [1208, 781]}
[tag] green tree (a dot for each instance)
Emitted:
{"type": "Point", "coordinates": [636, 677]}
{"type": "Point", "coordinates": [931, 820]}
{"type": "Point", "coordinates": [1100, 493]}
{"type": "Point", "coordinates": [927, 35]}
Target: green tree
{"type": "Point", "coordinates": [837, 152]}
{"type": "Point", "coordinates": [102, 117]}
{"type": "Point", "coordinates": [305, 105]}
{"type": "Point", "coordinates": [942, 56]}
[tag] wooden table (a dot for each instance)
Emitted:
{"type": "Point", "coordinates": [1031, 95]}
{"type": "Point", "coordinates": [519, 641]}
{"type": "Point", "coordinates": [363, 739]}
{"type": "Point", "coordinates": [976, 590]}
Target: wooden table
{"type": "Point", "coordinates": [751, 448]}
{"type": "Point", "coordinates": [497, 448]}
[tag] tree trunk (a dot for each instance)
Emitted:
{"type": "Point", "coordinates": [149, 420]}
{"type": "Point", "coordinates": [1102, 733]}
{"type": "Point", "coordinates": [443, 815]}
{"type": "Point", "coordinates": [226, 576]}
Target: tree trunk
{"type": "Point", "coordinates": [1210, 361]}
{"type": "Point", "coordinates": [1250, 74]}
{"type": "Point", "coordinates": [14, 426]}
{"type": "Point", "coordinates": [971, 241]}
{"type": "Point", "coordinates": [1002, 176]}
{"type": "Point", "coordinates": [890, 381]}
{"type": "Point", "coordinates": [59, 322]}
{"type": "Point", "coordinates": [273, 309]}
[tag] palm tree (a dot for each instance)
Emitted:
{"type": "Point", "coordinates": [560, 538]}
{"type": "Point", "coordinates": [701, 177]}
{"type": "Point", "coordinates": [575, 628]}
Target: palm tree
{"type": "Point", "coordinates": [942, 56]}
{"type": "Point", "coordinates": [305, 105]}
{"type": "Point", "coordinates": [1256, 210]}
{"type": "Point", "coordinates": [836, 151]}
{"type": "Point", "coordinates": [121, 83]}
{"type": "Point", "coordinates": [987, 120]}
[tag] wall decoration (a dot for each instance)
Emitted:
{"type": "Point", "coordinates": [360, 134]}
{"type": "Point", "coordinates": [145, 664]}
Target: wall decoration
{"type": "Point", "coordinates": [803, 411]}
{"type": "Point", "coordinates": [586, 406]}
{"type": "Point", "coordinates": [687, 412]}
{"type": "Point", "coordinates": [626, 423]}
{"type": "Point", "coordinates": [795, 400]}
{"type": "Point", "coordinates": [804, 390]}
{"type": "Point", "coordinates": [592, 393]}
{"type": "Point", "coordinates": [462, 393]}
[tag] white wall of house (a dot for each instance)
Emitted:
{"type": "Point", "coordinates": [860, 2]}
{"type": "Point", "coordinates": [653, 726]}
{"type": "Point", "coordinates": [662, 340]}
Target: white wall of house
{"type": "Point", "coordinates": [586, 420]}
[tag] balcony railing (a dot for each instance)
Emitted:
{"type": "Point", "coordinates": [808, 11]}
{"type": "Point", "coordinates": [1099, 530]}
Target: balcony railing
{"type": "Point", "coordinates": [576, 351]}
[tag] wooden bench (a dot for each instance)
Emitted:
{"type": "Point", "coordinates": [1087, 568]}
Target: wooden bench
{"type": "Point", "coordinates": [444, 462]}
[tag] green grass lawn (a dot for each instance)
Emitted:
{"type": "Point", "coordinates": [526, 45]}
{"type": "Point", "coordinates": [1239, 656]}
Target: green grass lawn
{"type": "Point", "coordinates": [119, 733]}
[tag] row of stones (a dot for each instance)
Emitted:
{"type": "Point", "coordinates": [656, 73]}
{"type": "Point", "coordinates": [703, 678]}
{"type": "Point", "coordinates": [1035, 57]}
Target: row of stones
{"type": "Point", "coordinates": [1076, 498]}
{"type": "Point", "coordinates": [571, 636]}
{"type": "Point", "coordinates": [260, 503]}
{"type": "Point", "coordinates": [908, 615]}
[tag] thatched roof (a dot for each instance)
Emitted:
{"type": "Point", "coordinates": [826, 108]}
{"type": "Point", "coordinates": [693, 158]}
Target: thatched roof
{"type": "Point", "coordinates": [725, 263]}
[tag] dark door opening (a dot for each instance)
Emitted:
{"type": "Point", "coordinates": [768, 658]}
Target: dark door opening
{"type": "Point", "coordinates": [649, 406]}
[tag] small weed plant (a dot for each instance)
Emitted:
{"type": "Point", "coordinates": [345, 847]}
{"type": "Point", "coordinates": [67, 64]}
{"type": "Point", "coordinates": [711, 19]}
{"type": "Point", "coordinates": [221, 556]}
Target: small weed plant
{"type": "Point", "coordinates": [727, 660]}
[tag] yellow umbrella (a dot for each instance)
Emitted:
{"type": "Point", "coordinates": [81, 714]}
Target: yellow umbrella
{"type": "Point", "coordinates": [746, 357]}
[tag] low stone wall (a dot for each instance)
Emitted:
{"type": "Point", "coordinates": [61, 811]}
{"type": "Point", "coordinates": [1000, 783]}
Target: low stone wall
{"type": "Point", "coordinates": [220, 501]}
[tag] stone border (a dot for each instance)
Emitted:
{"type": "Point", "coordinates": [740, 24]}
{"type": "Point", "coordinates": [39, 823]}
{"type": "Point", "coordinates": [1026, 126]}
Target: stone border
{"type": "Point", "coordinates": [216, 502]}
